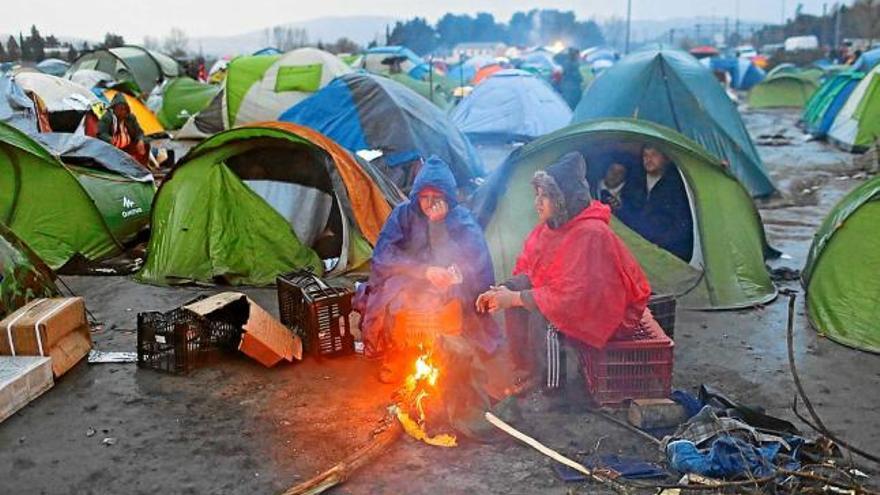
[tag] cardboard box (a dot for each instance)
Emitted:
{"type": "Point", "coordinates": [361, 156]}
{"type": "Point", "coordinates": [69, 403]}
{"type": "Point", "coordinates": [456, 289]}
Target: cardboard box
{"type": "Point", "coordinates": [265, 339]}
{"type": "Point", "coordinates": [22, 379]}
{"type": "Point", "coordinates": [55, 328]}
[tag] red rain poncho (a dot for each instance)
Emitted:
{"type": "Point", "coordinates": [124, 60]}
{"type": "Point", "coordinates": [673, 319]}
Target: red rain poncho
{"type": "Point", "coordinates": [584, 279]}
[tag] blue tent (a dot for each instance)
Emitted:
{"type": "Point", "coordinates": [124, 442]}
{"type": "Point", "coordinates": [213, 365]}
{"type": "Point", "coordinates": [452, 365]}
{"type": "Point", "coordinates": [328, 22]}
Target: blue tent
{"type": "Point", "coordinates": [412, 64]}
{"type": "Point", "coordinates": [511, 105]}
{"type": "Point", "coordinates": [363, 111]}
{"type": "Point", "coordinates": [53, 67]}
{"type": "Point", "coordinates": [670, 87]}
{"type": "Point", "coordinates": [269, 50]}
{"type": "Point", "coordinates": [867, 61]}
{"type": "Point", "coordinates": [826, 102]}
{"type": "Point", "coordinates": [743, 73]}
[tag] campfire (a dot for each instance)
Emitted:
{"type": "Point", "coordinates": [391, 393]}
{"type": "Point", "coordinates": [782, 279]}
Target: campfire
{"type": "Point", "coordinates": [419, 385]}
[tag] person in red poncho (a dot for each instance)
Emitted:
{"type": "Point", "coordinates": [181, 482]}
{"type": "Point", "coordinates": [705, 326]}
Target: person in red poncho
{"type": "Point", "coordinates": [575, 276]}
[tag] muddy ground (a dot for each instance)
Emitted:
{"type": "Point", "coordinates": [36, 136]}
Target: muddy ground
{"type": "Point", "coordinates": [236, 427]}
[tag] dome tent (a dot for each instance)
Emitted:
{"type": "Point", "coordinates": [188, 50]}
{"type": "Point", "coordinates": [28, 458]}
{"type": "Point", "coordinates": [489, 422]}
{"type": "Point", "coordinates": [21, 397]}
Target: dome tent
{"type": "Point", "coordinates": [823, 107]}
{"type": "Point", "coordinates": [23, 275]}
{"type": "Point", "coordinates": [363, 111]}
{"type": "Point", "coordinates": [257, 201]}
{"type": "Point", "coordinates": [511, 105]}
{"type": "Point", "coordinates": [857, 125]}
{"type": "Point", "coordinates": [146, 68]}
{"type": "Point", "coordinates": [66, 102]}
{"type": "Point", "coordinates": [842, 273]}
{"type": "Point", "coordinates": [729, 242]}
{"type": "Point", "coordinates": [100, 196]}
{"type": "Point", "coordinates": [146, 118]}
{"type": "Point", "coordinates": [785, 88]}
{"type": "Point", "coordinates": [258, 88]}
{"type": "Point", "coordinates": [671, 88]}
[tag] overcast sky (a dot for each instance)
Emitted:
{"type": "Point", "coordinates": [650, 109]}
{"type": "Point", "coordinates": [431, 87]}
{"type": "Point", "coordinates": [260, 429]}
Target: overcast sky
{"type": "Point", "coordinates": [135, 18]}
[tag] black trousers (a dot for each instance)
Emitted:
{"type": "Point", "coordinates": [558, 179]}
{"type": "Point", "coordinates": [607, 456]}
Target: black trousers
{"type": "Point", "coordinates": [536, 347]}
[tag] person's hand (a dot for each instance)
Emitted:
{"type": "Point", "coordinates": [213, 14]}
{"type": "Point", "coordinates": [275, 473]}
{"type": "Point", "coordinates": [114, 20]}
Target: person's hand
{"type": "Point", "coordinates": [440, 277]}
{"type": "Point", "coordinates": [437, 211]}
{"type": "Point", "coordinates": [503, 298]}
{"type": "Point", "coordinates": [484, 301]}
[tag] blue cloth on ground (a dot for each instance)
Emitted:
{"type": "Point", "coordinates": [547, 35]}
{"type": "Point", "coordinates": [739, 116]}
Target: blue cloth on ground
{"type": "Point", "coordinates": [728, 457]}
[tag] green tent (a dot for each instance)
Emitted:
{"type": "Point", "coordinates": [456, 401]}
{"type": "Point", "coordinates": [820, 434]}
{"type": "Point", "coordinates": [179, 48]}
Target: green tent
{"type": "Point", "coordinates": [62, 209]}
{"type": "Point", "coordinates": [672, 88]}
{"type": "Point", "coordinates": [842, 273]}
{"type": "Point", "coordinates": [729, 242]}
{"type": "Point", "coordinates": [440, 96]}
{"type": "Point", "coordinates": [182, 98]}
{"type": "Point", "coordinates": [146, 68]}
{"type": "Point", "coordinates": [823, 107]}
{"type": "Point", "coordinates": [257, 201]}
{"type": "Point", "coordinates": [23, 275]}
{"type": "Point", "coordinates": [783, 89]}
{"type": "Point", "coordinates": [857, 125]}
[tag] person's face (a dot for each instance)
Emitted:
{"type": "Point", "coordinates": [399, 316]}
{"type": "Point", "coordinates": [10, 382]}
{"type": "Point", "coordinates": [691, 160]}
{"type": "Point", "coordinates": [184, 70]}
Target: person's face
{"type": "Point", "coordinates": [433, 205]}
{"type": "Point", "coordinates": [615, 175]}
{"type": "Point", "coordinates": [544, 205]}
{"type": "Point", "coordinates": [654, 161]}
{"type": "Point", "coordinates": [121, 111]}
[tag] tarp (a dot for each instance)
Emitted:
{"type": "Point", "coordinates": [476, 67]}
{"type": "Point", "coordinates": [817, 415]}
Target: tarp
{"type": "Point", "coordinates": [182, 98]}
{"type": "Point", "coordinates": [785, 88]}
{"type": "Point", "coordinates": [16, 109]}
{"type": "Point", "coordinates": [511, 105]}
{"type": "Point", "coordinates": [857, 125]}
{"type": "Point", "coordinates": [144, 67]}
{"type": "Point", "coordinates": [363, 111]}
{"type": "Point", "coordinates": [146, 118]}
{"type": "Point", "coordinates": [840, 275]}
{"type": "Point", "coordinates": [61, 209]}
{"type": "Point", "coordinates": [673, 89]}
{"type": "Point", "coordinates": [57, 93]}
{"type": "Point", "coordinates": [258, 88]}
{"type": "Point", "coordinates": [823, 107]}
{"type": "Point", "coordinates": [729, 237]}
{"type": "Point", "coordinates": [23, 275]}
{"type": "Point", "coordinates": [209, 225]}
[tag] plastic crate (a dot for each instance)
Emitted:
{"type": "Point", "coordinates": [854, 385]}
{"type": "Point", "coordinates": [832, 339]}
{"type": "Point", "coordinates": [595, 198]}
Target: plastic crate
{"type": "Point", "coordinates": [413, 328]}
{"type": "Point", "coordinates": [318, 313]}
{"type": "Point", "coordinates": [639, 367]}
{"type": "Point", "coordinates": [179, 340]}
{"type": "Point", "coordinates": [663, 309]}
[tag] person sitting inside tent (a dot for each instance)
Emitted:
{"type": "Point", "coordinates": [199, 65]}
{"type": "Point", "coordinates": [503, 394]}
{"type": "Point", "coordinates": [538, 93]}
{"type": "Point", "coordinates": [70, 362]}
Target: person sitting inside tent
{"type": "Point", "coordinates": [430, 256]}
{"type": "Point", "coordinates": [119, 127]}
{"type": "Point", "coordinates": [574, 276]}
{"type": "Point", "coordinates": [657, 205]}
{"type": "Point", "coordinates": [611, 186]}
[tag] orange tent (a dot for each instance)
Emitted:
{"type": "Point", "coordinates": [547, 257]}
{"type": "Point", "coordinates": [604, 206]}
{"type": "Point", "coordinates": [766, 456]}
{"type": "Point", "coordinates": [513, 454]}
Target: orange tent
{"type": "Point", "coordinates": [146, 119]}
{"type": "Point", "coordinates": [486, 72]}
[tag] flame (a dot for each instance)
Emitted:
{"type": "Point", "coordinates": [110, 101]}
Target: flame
{"type": "Point", "coordinates": [417, 387]}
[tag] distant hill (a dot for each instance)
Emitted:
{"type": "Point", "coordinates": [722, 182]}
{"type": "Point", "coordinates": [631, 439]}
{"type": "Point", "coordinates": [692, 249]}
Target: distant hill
{"type": "Point", "coordinates": [360, 29]}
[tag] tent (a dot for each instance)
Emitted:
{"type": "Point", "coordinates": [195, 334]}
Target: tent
{"type": "Point", "coordinates": [485, 72]}
{"type": "Point", "coordinates": [867, 61]}
{"type": "Point", "coordinates": [179, 99]}
{"type": "Point", "coordinates": [511, 105]}
{"type": "Point", "coordinates": [146, 118]}
{"type": "Point", "coordinates": [671, 88]}
{"type": "Point", "coordinates": [743, 73]}
{"type": "Point", "coordinates": [53, 67]}
{"type": "Point", "coordinates": [66, 102]}
{"type": "Point", "coordinates": [146, 68]}
{"type": "Point", "coordinates": [90, 79]}
{"type": "Point", "coordinates": [363, 111]}
{"type": "Point", "coordinates": [841, 273]}
{"type": "Point", "coordinates": [16, 109]}
{"type": "Point", "coordinates": [783, 89]}
{"type": "Point", "coordinates": [729, 241]}
{"type": "Point", "coordinates": [23, 275]}
{"type": "Point", "coordinates": [822, 108]}
{"type": "Point", "coordinates": [410, 63]}
{"type": "Point", "coordinates": [857, 125]}
{"type": "Point", "coordinates": [258, 88]}
{"type": "Point", "coordinates": [68, 194]}
{"type": "Point", "coordinates": [439, 95]}
{"type": "Point", "coordinates": [261, 200]}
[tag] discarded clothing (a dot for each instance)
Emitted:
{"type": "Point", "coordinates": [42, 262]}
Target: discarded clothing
{"type": "Point", "coordinates": [728, 457]}
{"type": "Point", "coordinates": [628, 467]}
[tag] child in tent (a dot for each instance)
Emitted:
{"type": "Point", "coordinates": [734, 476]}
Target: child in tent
{"type": "Point", "coordinates": [574, 277]}
{"type": "Point", "coordinates": [430, 254]}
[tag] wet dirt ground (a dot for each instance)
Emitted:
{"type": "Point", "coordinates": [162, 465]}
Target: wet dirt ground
{"type": "Point", "coordinates": [236, 427]}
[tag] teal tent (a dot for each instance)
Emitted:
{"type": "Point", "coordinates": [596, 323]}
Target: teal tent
{"type": "Point", "coordinates": [727, 267]}
{"type": "Point", "coordinates": [671, 88]}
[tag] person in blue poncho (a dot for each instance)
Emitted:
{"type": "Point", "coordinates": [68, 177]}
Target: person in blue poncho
{"type": "Point", "coordinates": [431, 256]}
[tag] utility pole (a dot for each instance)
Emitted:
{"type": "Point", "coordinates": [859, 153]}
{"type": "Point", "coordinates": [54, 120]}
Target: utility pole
{"type": "Point", "coordinates": [698, 33]}
{"type": "Point", "coordinates": [628, 20]}
{"type": "Point", "coordinates": [837, 26]}
{"type": "Point", "coordinates": [782, 14]}
{"type": "Point", "coordinates": [725, 31]}
{"type": "Point", "coordinates": [671, 36]}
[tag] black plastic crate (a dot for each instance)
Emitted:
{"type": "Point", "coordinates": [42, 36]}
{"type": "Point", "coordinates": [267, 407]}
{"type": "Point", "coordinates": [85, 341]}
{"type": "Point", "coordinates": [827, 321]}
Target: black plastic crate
{"type": "Point", "coordinates": [316, 312]}
{"type": "Point", "coordinates": [179, 340]}
{"type": "Point", "coordinates": [663, 309]}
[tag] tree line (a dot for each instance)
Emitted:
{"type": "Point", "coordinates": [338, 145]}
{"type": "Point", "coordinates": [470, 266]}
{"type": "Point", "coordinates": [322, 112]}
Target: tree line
{"type": "Point", "coordinates": [36, 48]}
{"type": "Point", "coordinates": [535, 27]}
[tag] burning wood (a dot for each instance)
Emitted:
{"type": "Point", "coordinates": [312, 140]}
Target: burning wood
{"type": "Point", "coordinates": [418, 386]}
